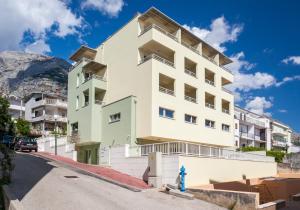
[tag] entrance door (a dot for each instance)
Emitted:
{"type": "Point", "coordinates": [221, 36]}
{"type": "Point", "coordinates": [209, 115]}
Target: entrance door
{"type": "Point", "coordinates": [88, 156]}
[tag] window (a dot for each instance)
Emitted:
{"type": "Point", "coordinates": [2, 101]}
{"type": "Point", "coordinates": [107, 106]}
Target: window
{"type": "Point", "coordinates": [236, 126]}
{"type": "Point", "coordinates": [243, 128]}
{"type": "Point", "coordinates": [86, 95]}
{"type": "Point", "coordinates": [225, 127]}
{"type": "Point", "coordinates": [210, 124]}
{"type": "Point", "coordinates": [74, 127]}
{"type": "Point", "coordinates": [115, 117]}
{"type": "Point", "coordinates": [78, 80]}
{"type": "Point", "coordinates": [77, 102]}
{"type": "Point", "coordinates": [166, 113]}
{"type": "Point", "coordinates": [190, 119]}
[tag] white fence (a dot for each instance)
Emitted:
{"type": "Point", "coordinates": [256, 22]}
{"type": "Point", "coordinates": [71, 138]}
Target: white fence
{"type": "Point", "coordinates": [188, 149]}
{"type": "Point", "coordinates": [65, 149]}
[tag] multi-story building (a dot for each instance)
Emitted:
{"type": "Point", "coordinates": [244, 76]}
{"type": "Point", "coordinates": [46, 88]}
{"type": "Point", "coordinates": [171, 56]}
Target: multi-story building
{"type": "Point", "coordinates": [251, 129]}
{"type": "Point", "coordinates": [281, 135]}
{"type": "Point", "coordinates": [151, 81]}
{"type": "Point", "coordinates": [44, 111]}
{"type": "Point", "coordinates": [16, 108]}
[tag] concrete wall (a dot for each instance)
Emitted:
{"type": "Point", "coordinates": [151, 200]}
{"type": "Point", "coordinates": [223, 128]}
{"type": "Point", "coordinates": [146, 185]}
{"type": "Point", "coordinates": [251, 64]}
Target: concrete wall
{"type": "Point", "coordinates": [201, 171]}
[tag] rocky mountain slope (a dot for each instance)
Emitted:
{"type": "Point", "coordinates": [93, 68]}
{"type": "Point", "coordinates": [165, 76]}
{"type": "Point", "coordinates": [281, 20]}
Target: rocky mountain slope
{"type": "Point", "coordinates": [23, 73]}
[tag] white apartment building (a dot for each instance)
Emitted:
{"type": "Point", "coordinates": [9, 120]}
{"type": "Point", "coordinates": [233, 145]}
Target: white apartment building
{"type": "Point", "coordinates": [251, 129]}
{"type": "Point", "coordinates": [281, 135]}
{"type": "Point", "coordinates": [16, 108]}
{"type": "Point", "coordinates": [177, 81]}
{"type": "Point", "coordinates": [43, 111]}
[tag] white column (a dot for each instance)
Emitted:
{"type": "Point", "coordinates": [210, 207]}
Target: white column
{"type": "Point", "coordinates": [199, 48]}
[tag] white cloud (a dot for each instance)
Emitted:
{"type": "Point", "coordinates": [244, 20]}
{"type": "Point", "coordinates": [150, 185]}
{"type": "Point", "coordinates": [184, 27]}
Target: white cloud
{"type": "Point", "coordinates": [219, 33]}
{"type": "Point", "coordinates": [107, 7]}
{"type": "Point", "coordinates": [292, 59]}
{"type": "Point", "coordinates": [239, 63]}
{"type": "Point", "coordinates": [258, 105]}
{"type": "Point", "coordinates": [39, 47]}
{"type": "Point", "coordinates": [282, 110]}
{"type": "Point", "coordinates": [287, 79]}
{"type": "Point", "coordinates": [37, 18]}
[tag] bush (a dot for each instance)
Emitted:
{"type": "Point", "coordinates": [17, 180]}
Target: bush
{"type": "Point", "coordinates": [6, 163]}
{"type": "Point", "coordinates": [277, 154]}
{"type": "Point", "coordinates": [251, 149]}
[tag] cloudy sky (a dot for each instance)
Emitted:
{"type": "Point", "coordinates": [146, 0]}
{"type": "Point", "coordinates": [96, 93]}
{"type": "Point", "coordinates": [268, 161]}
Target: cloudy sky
{"type": "Point", "coordinates": [261, 37]}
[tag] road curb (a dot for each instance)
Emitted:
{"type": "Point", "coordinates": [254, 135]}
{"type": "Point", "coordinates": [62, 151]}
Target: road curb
{"type": "Point", "coordinates": [10, 200]}
{"type": "Point", "coordinates": [81, 171]}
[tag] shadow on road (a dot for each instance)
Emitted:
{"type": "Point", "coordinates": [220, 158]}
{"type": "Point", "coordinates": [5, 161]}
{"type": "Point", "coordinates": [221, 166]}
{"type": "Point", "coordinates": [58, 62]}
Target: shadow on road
{"type": "Point", "coordinates": [29, 170]}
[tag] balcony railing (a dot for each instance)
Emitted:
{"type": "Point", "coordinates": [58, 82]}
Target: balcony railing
{"type": "Point", "coordinates": [211, 106]}
{"type": "Point", "coordinates": [195, 150]}
{"type": "Point", "coordinates": [156, 57]}
{"type": "Point", "coordinates": [167, 91]}
{"type": "Point", "coordinates": [191, 99]}
{"type": "Point", "coordinates": [83, 59]}
{"type": "Point", "coordinates": [160, 30]}
{"type": "Point", "coordinates": [247, 135]}
{"type": "Point", "coordinates": [94, 76]}
{"type": "Point", "coordinates": [227, 91]}
{"type": "Point", "coordinates": [210, 82]}
{"type": "Point", "coordinates": [189, 72]}
{"type": "Point", "coordinates": [99, 102]}
{"type": "Point", "coordinates": [226, 111]}
{"type": "Point", "coordinates": [254, 121]}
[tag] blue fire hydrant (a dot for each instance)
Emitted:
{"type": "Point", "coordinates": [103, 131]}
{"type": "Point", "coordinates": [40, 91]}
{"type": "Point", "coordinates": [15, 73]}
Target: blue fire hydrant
{"type": "Point", "coordinates": [182, 177]}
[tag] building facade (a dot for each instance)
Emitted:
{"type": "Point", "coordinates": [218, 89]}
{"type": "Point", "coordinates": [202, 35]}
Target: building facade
{"type": "Point", "coordinates": [45, 111]}
{"type": "Point", "coordinates": [16, 108]}
{"type": "Point", "coordinates": [260, 131]}
{"type": "Point", "coordinates": [152, 81]}
{"type": "Point", "coordinates": [251, 129]}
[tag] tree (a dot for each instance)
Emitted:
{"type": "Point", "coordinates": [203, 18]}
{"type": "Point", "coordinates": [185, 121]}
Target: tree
{"type": "Point", "coordinates": [5, 118]}
{"type": "Point", "coordinates": [23, 127]}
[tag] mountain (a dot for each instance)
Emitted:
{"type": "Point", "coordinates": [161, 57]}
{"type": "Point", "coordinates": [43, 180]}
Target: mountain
{"type": "Point", "coordinates": [23, 73]}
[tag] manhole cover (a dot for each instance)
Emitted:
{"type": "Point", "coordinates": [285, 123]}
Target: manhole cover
{"type": "Point", "coordinates": [71, 177]}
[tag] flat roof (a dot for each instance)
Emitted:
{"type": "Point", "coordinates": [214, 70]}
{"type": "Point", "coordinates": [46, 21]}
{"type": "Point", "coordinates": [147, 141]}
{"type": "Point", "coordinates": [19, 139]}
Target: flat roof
{"type": "Point", "coordinates": [83, 51]}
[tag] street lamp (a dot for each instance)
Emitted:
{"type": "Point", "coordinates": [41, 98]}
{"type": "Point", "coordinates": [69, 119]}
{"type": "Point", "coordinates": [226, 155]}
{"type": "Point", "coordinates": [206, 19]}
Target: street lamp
{"type": "Point", "coordinates": [55, 135]}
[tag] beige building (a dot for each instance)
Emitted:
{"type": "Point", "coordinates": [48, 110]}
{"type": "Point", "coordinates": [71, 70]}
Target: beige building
{"type": "Point", "coordinates": [151, 81]}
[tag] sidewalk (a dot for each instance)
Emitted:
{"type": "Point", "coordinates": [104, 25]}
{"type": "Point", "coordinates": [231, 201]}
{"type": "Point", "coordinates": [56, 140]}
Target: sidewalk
{"type": "Point", "coordinates": [104, 173]}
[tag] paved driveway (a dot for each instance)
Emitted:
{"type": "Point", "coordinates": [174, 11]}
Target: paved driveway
{"type": "Point", "coordinates": [40, 184]}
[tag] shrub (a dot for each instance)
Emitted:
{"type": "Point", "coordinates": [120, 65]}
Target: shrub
{"type": "Point", "coordinates": [251, 149]}
{"type": "Point", "coordinates": [277, 154]}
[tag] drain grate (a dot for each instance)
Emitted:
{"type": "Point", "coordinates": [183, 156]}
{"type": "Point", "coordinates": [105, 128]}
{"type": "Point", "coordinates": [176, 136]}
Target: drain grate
{"type": "Point", "coordinates": [71, 177]}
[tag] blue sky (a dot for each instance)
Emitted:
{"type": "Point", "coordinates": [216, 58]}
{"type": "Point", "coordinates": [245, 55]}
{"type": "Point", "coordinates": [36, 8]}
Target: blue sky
{"type": "Point", "coordinates": [262, 37]}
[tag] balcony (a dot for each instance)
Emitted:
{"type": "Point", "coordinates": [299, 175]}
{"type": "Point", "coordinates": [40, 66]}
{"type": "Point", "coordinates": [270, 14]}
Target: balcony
{"type": "Point", "coordinates": [209, 77]}
{"type": "Point", "coordinates": [227, 91]}
{"type": "Point", "coordinates": [158, 58]}
{"type": "Point", "coordinates": [190, 67]}
{"type": "Point", "coordinates": [209, 101]}
{"type": "Point", "coordinates": [49, 117]}
{"type": "Point", "coordinates": [190, 93]}
{"type": "Point", "coordinates": [166, 85]}
{"type": "Point", "coordinates": [99, 96]}
{"type": "Point", "coordinates": [225, 106]}
{"type": "Point", "coordinates": [94, 76]}
{"type": "Point", "coordinates": [247, 135]}
{"type": "Point", "coordinates": [160, 29]}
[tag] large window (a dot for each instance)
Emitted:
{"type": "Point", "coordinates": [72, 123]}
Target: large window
{"type": "Point", "coordinates": [190, 119]}
{"type": "Point", "coordinates": [163, 112]}
{"type": "Point", "coordinates": [225, 127]}
{"type": "Point", "coordinates": [74, 127]}
{"type": "Point", "coordinates": [209, 123]}
{"type": "Point", "coordinates": [243, 128]}
{"type": "Point", "coordinates": [115, 117]}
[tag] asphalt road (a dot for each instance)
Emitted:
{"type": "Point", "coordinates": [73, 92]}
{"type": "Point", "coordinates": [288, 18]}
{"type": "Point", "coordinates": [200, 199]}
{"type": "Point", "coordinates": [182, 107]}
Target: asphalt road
{"type": "Point", "coordinates": [43, 185]}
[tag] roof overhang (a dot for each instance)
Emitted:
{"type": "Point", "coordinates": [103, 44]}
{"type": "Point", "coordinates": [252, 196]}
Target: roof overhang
{"type": "Point", "coordinates": [83, 51]}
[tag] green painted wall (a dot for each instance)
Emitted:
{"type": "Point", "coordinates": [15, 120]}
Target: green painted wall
{"type": "Point", "coordinates": [123, 131]}
{"type": "Point", "coordinates": [94, 153]}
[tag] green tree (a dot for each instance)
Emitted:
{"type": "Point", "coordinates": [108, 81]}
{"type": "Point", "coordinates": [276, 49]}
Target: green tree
{"type": "Point", "coordinates": [5, 118]}
{"type": "Point", "coordinates": [23, 127]}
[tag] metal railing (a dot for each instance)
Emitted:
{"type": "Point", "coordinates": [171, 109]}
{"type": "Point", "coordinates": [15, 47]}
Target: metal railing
{"type": "Point", "coordinates": [160, 29]}
{"type": "Point", "coordinates": [210, 82]}
{"type": "Point", "coordinates": [198, 150]}
{"type": "Point", "coordinates": [191, 99]}
{"type": "Point", "coordinates": [94, 76]}
{"type": "Point", "coordinates": [211, 106]}
{"type": "Point", "coordinates": [189, 72]}
{"type": "Point", "coordinates": [226, 111]}
{"type": "Point", "coordinates": [156, 57]}
{"type": "Point", "coordinates": [227, 91]}
{"type": "Point", "coordinates": [167, 91]}
{"type": "Point", "coordinates": [99, 102]}
{"type": "Point", "coordinates": [247, 135]}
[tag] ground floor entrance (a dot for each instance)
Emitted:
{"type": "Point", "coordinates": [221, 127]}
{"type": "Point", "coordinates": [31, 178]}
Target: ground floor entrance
{"type": "Point", "coordinates": [88, 152]}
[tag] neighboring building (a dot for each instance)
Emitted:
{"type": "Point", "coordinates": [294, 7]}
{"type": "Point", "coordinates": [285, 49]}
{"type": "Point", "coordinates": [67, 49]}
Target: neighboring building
{"type": "Point", "coordinates": [281, 135]}
{"type": "Point", "coordinates": [251, 129]}
{"type": "Point", "coordinates": [16, 108]}
{"type": "Point", "coordinates": [152, 81]}
{"type": "Point", "coordinates": [43, 111]}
